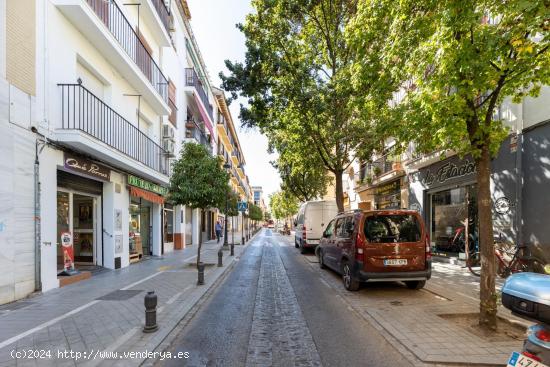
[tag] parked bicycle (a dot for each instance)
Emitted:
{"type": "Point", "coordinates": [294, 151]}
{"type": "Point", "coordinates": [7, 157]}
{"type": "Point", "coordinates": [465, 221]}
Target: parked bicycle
{"type": "Point", "coordinates": [508, 261]}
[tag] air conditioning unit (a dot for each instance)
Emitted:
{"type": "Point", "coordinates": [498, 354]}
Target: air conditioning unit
{"type": "Point", "coordinates": [168, 131]}
{"type": "Point", "coordinates": [168, 146]}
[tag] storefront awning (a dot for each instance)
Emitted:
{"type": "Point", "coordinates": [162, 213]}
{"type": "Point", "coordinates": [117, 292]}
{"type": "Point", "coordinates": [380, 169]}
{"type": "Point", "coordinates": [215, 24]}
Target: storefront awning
{"type": "Point", "coordinates": [204, 116]}
{"type": "Point", "coordinates": [147, 195]}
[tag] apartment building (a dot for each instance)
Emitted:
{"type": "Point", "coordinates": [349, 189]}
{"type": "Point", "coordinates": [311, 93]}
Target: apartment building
{"type": "Point", "coordinates": [442, 185]}
{"type": "Point", "coordinates": [230, 151]}
{"type": "Point", "coordinates": [96, 99]}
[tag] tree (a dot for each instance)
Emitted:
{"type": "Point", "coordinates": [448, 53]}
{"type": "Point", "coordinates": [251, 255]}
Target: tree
{"type": "Point", "coordinates": [198, 181]}
{"type": "Point", "coordinates": [296, 78]}
{"type": "Point", "coordinates": [232, 200]}
{"type": "Point", "coordinates": [302, 172]}
{"type": "Point", "coordinates": [283, 204]}
{"type": "Point", "coordinates": [459, 61]}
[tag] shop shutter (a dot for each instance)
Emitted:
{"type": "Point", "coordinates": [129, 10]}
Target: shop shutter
{"type": "Point", "coordinates": [79, 183]}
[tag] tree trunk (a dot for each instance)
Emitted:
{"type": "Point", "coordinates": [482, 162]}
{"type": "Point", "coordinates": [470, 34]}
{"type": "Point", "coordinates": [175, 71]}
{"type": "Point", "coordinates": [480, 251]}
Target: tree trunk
{"type": "Point", "coordinates": [339, 191]}
{"type": "Point", "coordinates": [487, 293]}
{"type": "Point", "coordinates": [200, 240]}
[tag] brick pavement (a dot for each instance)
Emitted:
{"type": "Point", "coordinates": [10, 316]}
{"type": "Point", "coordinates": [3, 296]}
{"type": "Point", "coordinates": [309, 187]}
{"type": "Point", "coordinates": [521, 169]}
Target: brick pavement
{"type": "Point", "coordinates": [72, 318]}
{"type": "Point", "coordinates": [411, 318]}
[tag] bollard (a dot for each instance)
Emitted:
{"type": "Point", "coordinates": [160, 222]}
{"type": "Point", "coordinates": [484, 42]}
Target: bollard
{"type": "Point", "coordinates": [200, 267]}
{"type": "Point", "coordinates": [220, 258]}
{"type": "Point", "coordinates": [150, 302]}
{"type": "Point", "coordinates": [232, 249]}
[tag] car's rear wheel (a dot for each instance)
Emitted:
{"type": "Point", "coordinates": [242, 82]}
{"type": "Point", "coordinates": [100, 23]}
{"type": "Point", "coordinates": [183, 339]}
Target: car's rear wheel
{"type": "Point", "coordinates": [415, 284]}
{"type": "Point", "coordinates": [321, 260]}
{"type": "Point", "coordinates": [350, 283]}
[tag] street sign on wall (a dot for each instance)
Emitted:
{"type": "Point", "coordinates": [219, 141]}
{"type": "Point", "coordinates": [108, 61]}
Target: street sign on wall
{"type": "Point", "coordinates": [242, 206]}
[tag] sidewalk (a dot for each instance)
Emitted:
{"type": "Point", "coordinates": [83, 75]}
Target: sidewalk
{"type": "Point", "coordinates": [106, 312]}
{"type": "Point", "coordinates": [421, 322]}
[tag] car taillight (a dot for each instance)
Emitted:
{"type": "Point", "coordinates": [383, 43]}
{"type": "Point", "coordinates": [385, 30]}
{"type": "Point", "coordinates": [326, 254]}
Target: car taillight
{"type": "Point", "coordinates": [532, 356]}
{"type": "Point", "coordinates": [359, 247]}
{"type": "Point", "coordinates": [543, 335]}
{"type": "Point", "coordinates": [428, 249]}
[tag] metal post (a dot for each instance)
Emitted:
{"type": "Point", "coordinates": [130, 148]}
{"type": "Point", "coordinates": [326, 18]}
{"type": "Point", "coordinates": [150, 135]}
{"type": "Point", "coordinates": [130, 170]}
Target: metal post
{"type": "Point", "coordinates": [225, 221]}
{"type": "Point", "coordinates": [150, 302]}
{"type": "Point", "coordinates": [200, 267]}
{"type": "Point", "coordinates": [220, 258]}
{"type": "Point", "coordinates": [242, 228]}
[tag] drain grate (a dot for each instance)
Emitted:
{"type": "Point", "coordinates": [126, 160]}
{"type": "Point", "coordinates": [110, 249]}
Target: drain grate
{"type": "Point", "coordinates": [120, 295]}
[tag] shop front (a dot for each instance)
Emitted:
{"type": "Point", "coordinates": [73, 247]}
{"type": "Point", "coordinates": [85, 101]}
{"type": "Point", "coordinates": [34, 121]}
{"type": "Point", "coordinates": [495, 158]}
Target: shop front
{"type": "Point", "coordinates": [79, 215]}
{"type": "Point", "coordinates": [388, 195]}
{"type": "Point", "coordinates": [446, 195]}
{"type": "Point", "coordinates": [146, 236]}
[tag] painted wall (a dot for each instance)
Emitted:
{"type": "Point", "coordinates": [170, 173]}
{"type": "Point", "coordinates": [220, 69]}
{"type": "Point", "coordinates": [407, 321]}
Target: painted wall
{"type": "Point", "coordinates": [536, 189]}
{"type": "Point", "coordinates": [17, 241]}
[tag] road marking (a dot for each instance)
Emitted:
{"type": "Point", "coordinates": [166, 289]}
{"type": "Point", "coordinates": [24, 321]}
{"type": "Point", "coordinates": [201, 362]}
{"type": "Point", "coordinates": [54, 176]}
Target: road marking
{"type": "Point", "coordinates": [45, 324]}
{"type": "Point", "coordinates": [141, 281]}
{"type": "Point", "coordinates": [324, 282]}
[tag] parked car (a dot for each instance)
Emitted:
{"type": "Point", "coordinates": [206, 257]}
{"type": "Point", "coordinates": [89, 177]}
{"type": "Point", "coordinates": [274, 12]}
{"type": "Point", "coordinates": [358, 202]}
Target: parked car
{"type": "Point", "coordinates": [312, 218]}
{"type": "Point", "coordinates": [379, 245]}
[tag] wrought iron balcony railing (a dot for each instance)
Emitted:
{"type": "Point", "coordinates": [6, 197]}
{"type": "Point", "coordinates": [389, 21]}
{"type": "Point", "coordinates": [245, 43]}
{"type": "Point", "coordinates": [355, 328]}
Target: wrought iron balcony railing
{"type": "Point", "coordinates": [163, 12]}
{"type": "Point", "coordinates": [82, 110]}
{"type": "Point", "coordinates": [113, 18]}
{"type": "Point", "coordinates": [194, 131]}
{"type": "Point", "coordinates": [193, 80]}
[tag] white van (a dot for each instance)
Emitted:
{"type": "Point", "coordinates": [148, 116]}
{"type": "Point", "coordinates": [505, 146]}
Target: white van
{"type": "Point", "coordinates": [310, 223]}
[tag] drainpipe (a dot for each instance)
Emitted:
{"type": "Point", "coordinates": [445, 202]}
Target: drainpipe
{"type": "Point", "coordinates": [519, 182]}
{"type": "Point", "coordinates": [37, 237]}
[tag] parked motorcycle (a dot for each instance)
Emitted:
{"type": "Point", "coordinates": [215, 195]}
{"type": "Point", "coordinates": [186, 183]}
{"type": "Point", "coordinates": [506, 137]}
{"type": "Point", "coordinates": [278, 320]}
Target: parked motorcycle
{"type": "Point", "coordinates": [528, 295]}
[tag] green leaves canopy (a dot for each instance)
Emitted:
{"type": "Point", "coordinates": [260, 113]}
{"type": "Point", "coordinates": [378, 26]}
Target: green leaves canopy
{"type": "Point", "coordinates": [283, 204]}
{"type": "Point", "coordinates": [296, 78]}
{"type": "Point", "coordinates": [198, 180]}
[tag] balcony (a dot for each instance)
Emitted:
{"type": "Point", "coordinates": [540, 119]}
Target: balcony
{"type": "Point", "coordinates": [387, 166]}
{"type": "Point", "coordinates": [193, 131]}
{"type": "Point", "coordinates": [90, 125]}
{"type": "Point", "coordinates": [193, 80]}
{"type": "Point", "coordinates": [108, 30]}
{"type": "Point", "coordinates": [222, 133]}
{"type": "Point", "coordinates": [235, 158]}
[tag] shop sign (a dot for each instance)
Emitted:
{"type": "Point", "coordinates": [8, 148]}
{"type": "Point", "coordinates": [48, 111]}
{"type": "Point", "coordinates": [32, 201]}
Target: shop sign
{"type": "Point", "coordinates": [388, 196]}
{"type": "Point", "coordinates": [146, 185]}
{"type": "Point", "coordinates": [448, 170]}
{"type": "Point", "coordinates": [68, 250]}
{"type": "Point", "coordinates": [86, 167]}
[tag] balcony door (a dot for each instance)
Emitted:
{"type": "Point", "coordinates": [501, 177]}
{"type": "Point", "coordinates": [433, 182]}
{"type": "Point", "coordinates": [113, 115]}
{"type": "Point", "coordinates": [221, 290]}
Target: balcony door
{"type": "Point", "coordinates": [90, 81]}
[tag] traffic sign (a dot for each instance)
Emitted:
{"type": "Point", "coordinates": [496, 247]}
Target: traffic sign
{"type": "Point", "coordinates": [242, 206]}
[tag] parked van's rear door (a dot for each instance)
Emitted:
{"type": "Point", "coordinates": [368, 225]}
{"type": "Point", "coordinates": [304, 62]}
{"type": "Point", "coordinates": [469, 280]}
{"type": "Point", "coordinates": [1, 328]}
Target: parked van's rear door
{"type": "Point", "coordinates": [394, 242]}
{"type": "Point", "coordinates": [314, 222]}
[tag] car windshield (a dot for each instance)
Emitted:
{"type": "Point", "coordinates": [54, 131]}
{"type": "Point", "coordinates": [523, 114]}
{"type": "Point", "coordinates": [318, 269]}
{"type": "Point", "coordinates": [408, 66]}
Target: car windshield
{"type": "Point", "coordinates": [392, 228]}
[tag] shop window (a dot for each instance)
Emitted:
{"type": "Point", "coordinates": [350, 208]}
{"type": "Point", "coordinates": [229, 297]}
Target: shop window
{"type": "Point", "coordinates": [454, 219]}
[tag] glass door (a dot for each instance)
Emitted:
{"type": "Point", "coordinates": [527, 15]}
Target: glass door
{"type": "Point", "coordinates": [64, 224]}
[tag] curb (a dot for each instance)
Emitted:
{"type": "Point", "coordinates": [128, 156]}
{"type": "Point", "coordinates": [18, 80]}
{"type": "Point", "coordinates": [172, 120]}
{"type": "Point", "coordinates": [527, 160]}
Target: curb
{"type": "Point", "coordinates": [172, 333]}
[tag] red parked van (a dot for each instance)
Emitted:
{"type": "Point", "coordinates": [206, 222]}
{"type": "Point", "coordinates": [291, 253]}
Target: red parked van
{"type": "Point", "coordinates": [378, 245]}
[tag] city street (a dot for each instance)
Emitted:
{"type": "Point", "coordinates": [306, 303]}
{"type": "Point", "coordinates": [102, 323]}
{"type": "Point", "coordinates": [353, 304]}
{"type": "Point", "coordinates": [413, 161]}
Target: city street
{"type": "Point", "coordinates": [274, 309]}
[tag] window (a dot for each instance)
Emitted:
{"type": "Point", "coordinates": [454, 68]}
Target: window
{"type": "Point", "coordinates": [392, 228]}
{"type": "Point", "coordinates": [345, 227]}
{"type": "Point", "coordinates": [330, 229]}
{"type": "Point", "coordinates": [338, 227]}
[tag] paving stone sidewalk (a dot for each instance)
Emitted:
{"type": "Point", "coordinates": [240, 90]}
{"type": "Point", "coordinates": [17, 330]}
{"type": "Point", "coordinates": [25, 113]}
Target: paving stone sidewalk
{"type": "Point", "coordinates": [106, 313]}
{"type": "Point", "coordinates": [413, 318]}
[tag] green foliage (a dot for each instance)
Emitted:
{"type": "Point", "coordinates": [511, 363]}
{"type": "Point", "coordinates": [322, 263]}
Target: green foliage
{"type": "Point", "coordinates": [233, 199]}
{"type": "Point", "coordinates": [296, 78]}
{"type": "Point", "coordinates": [198, 181]}
{"type": "Point", "coordinates": [456, 63]}
{"type": "Point", "coordinates": [283, 204]}
{"type": "Point", "coordinates": [267, 215]}
{"type": "Point", "coordinates": [255, 212]}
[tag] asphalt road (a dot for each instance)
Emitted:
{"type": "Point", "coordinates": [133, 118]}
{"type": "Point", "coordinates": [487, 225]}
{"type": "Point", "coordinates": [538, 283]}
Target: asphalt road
{"type": "Point", "coordinates": [274, 310]}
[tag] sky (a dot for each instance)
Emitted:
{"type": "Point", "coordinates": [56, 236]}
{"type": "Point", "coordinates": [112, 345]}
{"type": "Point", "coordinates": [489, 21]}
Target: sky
{"type": "Point", "coordinates": [213, 23]}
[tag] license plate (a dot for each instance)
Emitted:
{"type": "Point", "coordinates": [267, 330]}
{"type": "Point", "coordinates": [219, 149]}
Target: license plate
{"type": "Point", "coordinates": [395, 262]}
{"type": "Point", "coordinates": [519, 360]}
